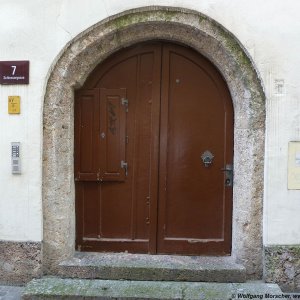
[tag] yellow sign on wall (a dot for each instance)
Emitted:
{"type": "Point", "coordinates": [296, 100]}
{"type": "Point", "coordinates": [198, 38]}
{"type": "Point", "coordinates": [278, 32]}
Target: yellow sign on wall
{"type": "Point", "coordinates": [294, 166]}
{"type": "Point", "coordinates": [14, 104]}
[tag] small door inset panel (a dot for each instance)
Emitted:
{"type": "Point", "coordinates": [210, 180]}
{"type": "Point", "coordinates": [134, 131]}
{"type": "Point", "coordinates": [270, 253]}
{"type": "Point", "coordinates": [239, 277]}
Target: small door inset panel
{"type": "Point", "coordinates": [87, 126]}
{"type": "Point", "coordinates": [113, 110]}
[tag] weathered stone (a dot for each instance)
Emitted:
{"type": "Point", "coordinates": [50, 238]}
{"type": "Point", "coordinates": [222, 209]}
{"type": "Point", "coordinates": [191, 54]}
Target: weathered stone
{"type": "Point", "coordinates": [10, 292]}
{"type": "Point", "coordinates": [282, 265]}
{"type": "Point", "coordinates": [56, 288]}
{"type": "Point", "coordinates": [19, 262]}
{"type": "Point", "coordinates": [155, 267]}
{"type": "Point", "coordinates": [93, 46]}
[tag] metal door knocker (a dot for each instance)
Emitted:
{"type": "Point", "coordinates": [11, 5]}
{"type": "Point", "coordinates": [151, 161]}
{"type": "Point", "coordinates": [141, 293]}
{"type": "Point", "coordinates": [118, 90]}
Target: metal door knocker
{"type": "Point", "coordinates": [207, 158]}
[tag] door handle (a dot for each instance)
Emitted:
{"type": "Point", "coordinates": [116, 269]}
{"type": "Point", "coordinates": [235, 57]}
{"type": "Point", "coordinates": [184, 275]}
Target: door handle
{"type": "Point", "coordinates": [207, 158]}
{"type": "Point", "coordinates": [228, 174]}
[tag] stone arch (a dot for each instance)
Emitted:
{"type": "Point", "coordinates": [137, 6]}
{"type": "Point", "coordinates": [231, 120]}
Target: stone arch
{"type": "Point", "coordinates": [91, 47]}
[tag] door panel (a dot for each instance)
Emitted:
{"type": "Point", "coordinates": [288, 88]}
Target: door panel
{"type": "Point", "coordinates": [123, 200]}
{"type": "Point", "coordinates": [88, 193]}
{"type": "Point", "coordinates": [192, 204]}
{"type": "Point", "coordinates": [167, 201]}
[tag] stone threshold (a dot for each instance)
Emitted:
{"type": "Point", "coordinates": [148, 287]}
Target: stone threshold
{"type": "Point", "coordinates": [58, 288]}
{"type": "Point", "coordinates": [125, 266]}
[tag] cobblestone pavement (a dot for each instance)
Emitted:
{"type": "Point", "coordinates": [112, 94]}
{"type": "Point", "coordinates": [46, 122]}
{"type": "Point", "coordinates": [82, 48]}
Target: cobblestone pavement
{"type": "Point", "coordinates": [10, 292]}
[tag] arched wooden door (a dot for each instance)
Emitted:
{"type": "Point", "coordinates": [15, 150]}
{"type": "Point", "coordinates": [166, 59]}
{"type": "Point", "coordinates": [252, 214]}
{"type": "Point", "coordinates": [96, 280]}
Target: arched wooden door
{"type": "Point", "coordinates": [153, 153]}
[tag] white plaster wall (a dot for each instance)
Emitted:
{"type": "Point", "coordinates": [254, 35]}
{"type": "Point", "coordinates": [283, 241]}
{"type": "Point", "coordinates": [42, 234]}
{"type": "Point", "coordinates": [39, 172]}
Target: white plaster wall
{"type": "Point", "coordinates": [37, 30]}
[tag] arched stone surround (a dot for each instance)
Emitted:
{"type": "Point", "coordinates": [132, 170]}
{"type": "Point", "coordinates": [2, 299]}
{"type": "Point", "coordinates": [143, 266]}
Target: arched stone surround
{"type": "Point", "coordinates": [91, 47]}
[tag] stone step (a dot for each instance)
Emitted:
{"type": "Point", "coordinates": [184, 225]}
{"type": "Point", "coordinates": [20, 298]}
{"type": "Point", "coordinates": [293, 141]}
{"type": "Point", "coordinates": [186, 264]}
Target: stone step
{"type": "Point", "coordinates": [116, 266]}
{"type": "Point", "coordinates": [58, 288]}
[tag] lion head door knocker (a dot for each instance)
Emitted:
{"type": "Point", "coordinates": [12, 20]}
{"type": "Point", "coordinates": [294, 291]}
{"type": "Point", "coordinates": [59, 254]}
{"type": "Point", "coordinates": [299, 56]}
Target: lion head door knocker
{"type": "Point", "coordinates": [207, 158]}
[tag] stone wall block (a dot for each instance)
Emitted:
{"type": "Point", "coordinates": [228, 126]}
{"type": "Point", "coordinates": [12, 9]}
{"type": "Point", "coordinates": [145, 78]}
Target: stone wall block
{"type": "Point", "coordinates": [282, 266]}
{"type": "Point", "coordinates": [20, 262]}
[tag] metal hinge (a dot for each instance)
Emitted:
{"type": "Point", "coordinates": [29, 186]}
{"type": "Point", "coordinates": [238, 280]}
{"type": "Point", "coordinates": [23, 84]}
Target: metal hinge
{"type": "Point", "coordinates": [125, 102]}
{"type": "Point", "coordinates": [124, 165]}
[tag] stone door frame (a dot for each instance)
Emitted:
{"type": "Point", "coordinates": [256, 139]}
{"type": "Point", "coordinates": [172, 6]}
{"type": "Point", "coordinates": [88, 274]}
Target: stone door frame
{"type": "Point", "coordinates": [91, 47]}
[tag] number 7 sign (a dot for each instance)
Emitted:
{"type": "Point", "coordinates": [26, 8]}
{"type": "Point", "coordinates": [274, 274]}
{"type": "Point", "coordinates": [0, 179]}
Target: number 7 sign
{"type": "Point", "coordinates": [14, 72]}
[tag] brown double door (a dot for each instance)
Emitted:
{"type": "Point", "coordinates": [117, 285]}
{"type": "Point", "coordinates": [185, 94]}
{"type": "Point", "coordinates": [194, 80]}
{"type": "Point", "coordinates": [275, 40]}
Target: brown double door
{"type": "Point", "coordinates": [153, 131]}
